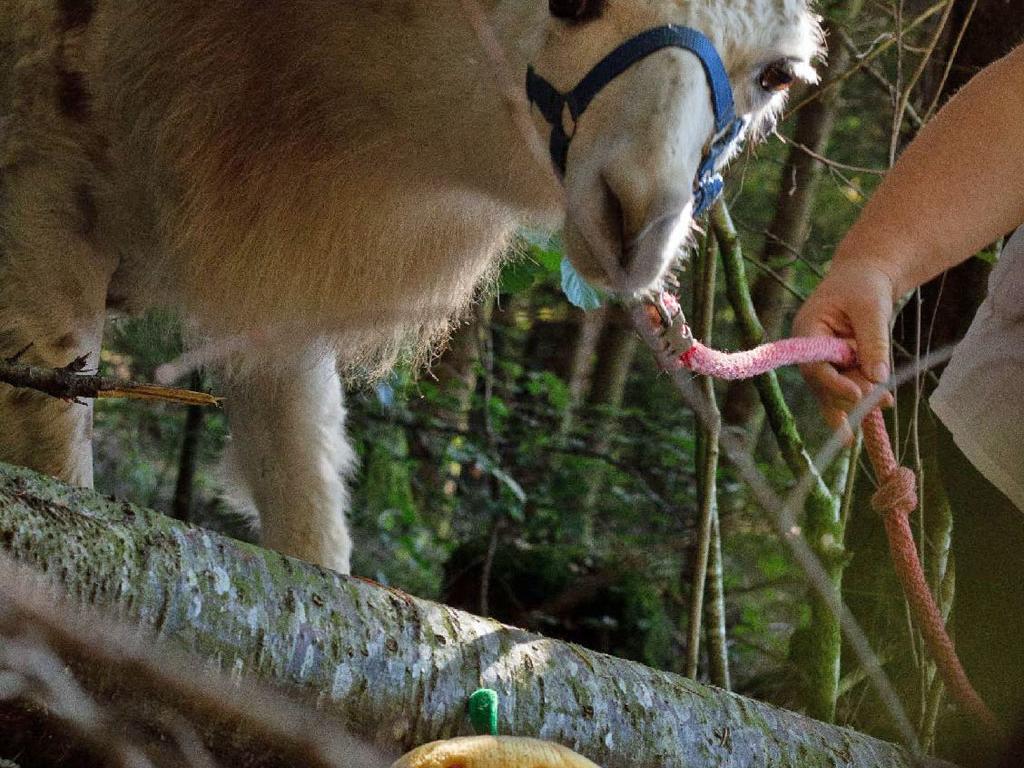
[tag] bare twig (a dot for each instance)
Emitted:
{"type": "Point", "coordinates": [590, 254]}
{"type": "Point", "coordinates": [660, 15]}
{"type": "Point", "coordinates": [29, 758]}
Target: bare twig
{"type": "Point", "coordinates": [830, 162]}
{"type": "Point", "coordinates": [69, 383]}
{"type": "Point", "coordinates": [871, 55]}
{"type": "Point", "coordinates": [908, 90]}
{"type": "Point", "coordinates": [878, 77]}
{"type": "Point", "coordinates": [950, 58]}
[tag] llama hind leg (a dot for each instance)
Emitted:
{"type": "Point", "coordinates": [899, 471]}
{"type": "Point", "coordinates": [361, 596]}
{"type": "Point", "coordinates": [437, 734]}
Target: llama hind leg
{"type": "Point", "coordinates": [290, 452]}
{"type": "Point", "coordinates": [53, 287]}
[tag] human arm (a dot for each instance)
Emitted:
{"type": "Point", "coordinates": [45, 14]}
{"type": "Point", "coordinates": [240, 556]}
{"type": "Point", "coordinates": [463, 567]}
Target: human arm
{"type": "Point", "coordinates": [958, 187]}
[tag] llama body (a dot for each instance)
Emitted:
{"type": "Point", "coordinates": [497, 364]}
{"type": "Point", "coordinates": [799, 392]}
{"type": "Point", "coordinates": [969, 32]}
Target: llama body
{"type": "Point", "coordinates": [337, 176]}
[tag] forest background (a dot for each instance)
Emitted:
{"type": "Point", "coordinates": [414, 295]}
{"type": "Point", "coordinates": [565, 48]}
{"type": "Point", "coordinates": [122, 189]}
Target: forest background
{"type": "Point", "coordinates": [546, 473]}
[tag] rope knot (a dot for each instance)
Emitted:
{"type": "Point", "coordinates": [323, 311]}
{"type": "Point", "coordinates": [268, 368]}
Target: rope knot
{"type": "Point", "coordinates": [897, 493]}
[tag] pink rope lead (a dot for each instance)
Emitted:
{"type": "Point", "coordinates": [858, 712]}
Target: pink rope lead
{"type": "Point", "coordinates": [895, 499]}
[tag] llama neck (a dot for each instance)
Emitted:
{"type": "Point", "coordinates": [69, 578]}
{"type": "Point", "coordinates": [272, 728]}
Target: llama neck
{"type": "Point", "coordinates": [431, 91]}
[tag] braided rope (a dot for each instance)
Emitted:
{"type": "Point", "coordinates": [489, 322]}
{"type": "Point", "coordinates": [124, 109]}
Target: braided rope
{"type": "Point", "coordinates": [895, 499]}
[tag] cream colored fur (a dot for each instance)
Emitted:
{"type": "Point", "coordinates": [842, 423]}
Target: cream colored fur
{"type": "Point", "coordinates": [338, 176]}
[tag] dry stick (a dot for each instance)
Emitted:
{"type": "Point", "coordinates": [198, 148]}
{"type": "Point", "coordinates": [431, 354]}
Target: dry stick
{"type": "Point", "coordinates": [805, 557]}
{"type": "Point", "coordinates": [68, 383]}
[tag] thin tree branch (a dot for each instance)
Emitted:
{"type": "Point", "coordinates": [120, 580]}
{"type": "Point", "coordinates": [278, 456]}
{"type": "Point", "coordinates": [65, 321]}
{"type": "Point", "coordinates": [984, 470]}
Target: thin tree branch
{"type": "Point", "coordinates": [706, 454]}
{"type": "Point", "coordinates": [878, 77]}
{"type": "Point", "coordinates": [950, 58]}
{"type": "Point", "coordinates": [69, 383]}
{"type": "Point", "coordinates": [830, 162]}
{"type": "Point", "coordinates": [926, 55]}
{"type": "Point", "coordinates": [869, 56]}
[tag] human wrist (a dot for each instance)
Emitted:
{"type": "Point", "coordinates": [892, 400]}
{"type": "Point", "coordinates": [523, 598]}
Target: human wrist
{"type": "Point", "coordinates": [863, 265]}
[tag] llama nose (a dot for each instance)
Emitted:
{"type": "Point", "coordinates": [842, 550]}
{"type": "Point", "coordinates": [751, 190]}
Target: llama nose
{"type": "Point", "coordinates": [625, 209]}
{"type": "Point", "coordinates": [648, 223]}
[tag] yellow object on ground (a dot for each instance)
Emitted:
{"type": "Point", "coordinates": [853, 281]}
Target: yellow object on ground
{"type": "Point", "coordinates": [493, 752]}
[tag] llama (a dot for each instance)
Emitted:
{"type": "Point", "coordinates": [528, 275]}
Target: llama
{"type": "Point", "coordinates": [348, 171]}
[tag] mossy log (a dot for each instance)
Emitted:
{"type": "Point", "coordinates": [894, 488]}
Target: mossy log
{"type": "Point", "coordinates": [397, 670]}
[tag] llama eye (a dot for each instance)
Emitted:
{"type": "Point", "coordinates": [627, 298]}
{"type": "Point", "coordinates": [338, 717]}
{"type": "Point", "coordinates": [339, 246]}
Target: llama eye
{"type": "Point", "coordinates": [574, 10]}
{"type": "Point", "coordinates": [776, 77]}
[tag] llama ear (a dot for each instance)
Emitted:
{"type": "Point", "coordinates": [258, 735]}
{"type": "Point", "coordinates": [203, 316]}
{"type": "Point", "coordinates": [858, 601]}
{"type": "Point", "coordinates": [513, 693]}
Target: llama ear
{"type": "Point", "coordinates": [575, 10]}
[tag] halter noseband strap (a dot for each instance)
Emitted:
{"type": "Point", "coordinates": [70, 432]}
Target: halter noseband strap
{"type": "Point", "coordinates": [728, 127]}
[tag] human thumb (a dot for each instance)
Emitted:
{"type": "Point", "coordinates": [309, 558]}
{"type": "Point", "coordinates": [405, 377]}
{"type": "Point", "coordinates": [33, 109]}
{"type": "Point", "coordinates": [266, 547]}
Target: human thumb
{"type": "Point", "coordinates": [872, 334]}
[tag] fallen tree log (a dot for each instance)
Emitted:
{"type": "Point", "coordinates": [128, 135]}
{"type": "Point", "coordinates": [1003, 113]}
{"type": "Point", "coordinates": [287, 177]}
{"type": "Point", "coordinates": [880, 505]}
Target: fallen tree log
{"type": "Point", "coordinates": [396, 670]}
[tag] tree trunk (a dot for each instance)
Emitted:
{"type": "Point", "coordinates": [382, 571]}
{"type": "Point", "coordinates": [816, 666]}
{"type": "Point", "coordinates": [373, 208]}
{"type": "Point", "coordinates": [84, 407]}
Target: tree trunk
{"type": "Point", "coordinates": [191, 436]}
{"type": "Point", "coordinates": [615, 352]}
{"type": "Point", "coordinates": [395, 669]}
{"type": "Point", "coordinates": [581, 370]}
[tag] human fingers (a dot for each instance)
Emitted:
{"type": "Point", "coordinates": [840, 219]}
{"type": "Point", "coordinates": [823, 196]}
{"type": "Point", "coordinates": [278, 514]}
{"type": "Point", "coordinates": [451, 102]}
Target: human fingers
{"type": "Point", "coordinates": [838, 423]}
{"type": "Point", "coordinates": [882, 397]}
{"type": "Point", "coordinates": [833, 389]}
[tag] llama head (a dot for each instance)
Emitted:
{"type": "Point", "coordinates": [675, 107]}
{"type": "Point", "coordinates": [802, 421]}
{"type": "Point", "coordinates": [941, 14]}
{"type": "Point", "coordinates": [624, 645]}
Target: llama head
{"type": "Point", "coordinates": [635, 151]}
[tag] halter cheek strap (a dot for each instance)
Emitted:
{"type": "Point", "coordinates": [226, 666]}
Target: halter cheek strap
{"type": "Point", "coordinates": [554, 105]}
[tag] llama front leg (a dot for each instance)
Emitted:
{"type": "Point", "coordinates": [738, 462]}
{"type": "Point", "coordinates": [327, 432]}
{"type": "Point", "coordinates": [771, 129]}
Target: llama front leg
{"type": "Point", "coordinates": [53, 288]}
{"type": "Point", "coordinates": [290, 452]}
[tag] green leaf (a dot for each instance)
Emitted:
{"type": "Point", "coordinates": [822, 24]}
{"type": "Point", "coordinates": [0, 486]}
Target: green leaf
{"type": "Point", "coordinates": [550, 259]}
{"type": "Point", "coordinates": [580, 293]}
{"type": "Point", "coordinates": [517, 277]}
{"type": "Point", "coordinates": [988, 256]}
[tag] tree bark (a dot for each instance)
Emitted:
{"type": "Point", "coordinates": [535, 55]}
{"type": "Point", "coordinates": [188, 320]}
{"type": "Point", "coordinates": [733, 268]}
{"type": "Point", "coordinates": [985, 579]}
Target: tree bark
{"type": "Point", "coordinates": [395, 669]}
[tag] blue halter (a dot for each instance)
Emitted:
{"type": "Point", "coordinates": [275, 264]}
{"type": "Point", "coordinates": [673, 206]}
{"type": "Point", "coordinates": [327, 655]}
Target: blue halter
{"type": "Point", "coordinates": [708, 184]}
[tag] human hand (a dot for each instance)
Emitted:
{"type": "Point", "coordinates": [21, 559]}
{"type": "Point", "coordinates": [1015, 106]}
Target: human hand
{"type": "Point", "coordinates": [855, 302]}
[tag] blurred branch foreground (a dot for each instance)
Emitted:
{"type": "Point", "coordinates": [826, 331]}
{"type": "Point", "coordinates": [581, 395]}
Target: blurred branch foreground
{"type": "Point", "coordinates": [395, 670]}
